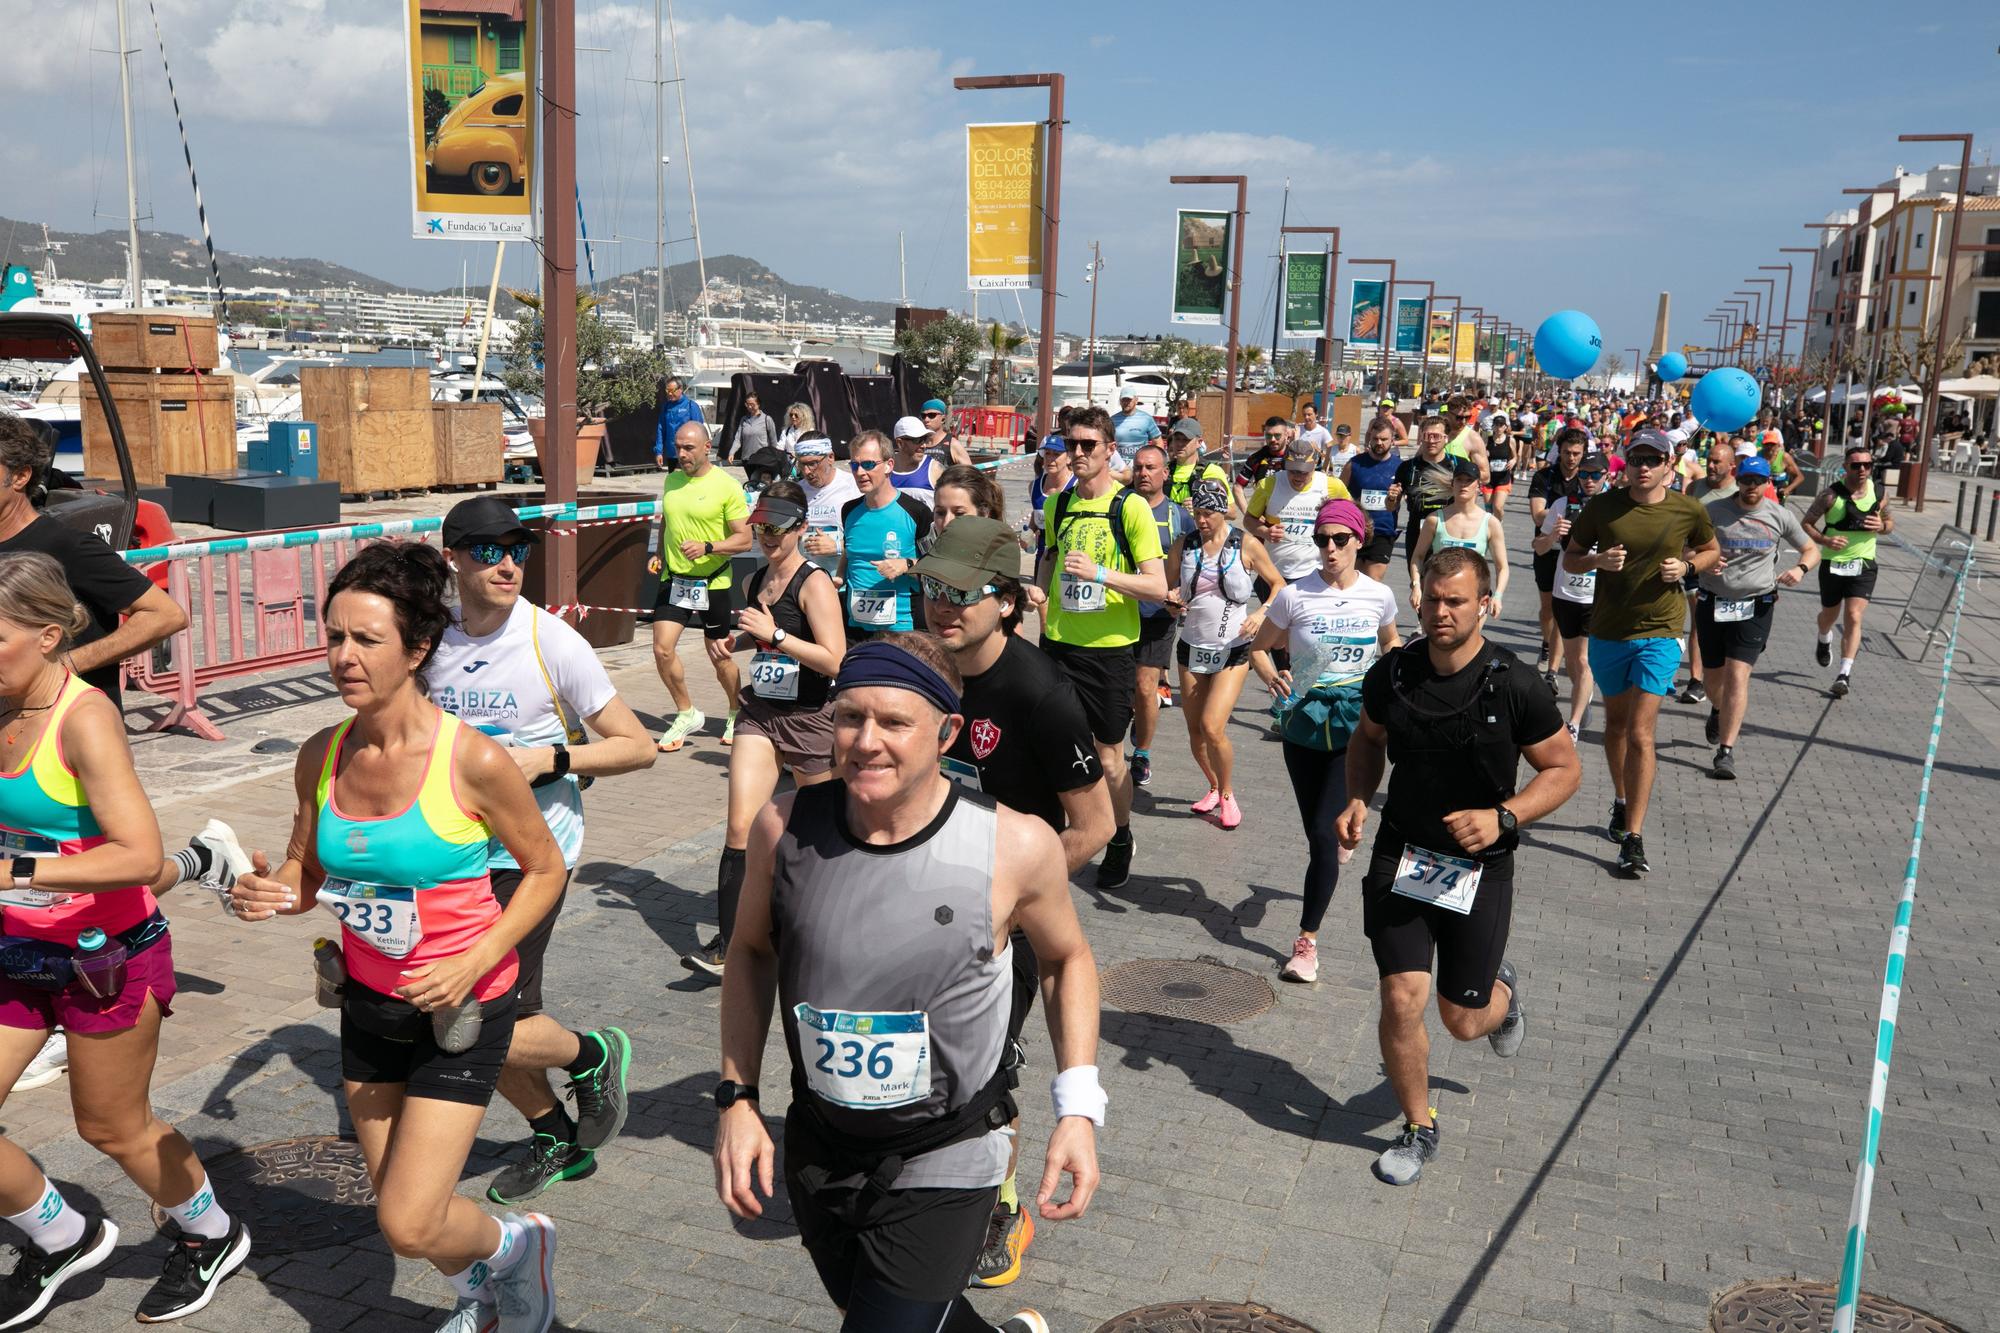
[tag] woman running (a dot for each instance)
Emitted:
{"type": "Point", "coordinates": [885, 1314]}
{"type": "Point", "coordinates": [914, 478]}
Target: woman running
{"type": "Point", "coordinates": [1571, 599]}
{"type": "Point", "coordinates": [1210, 584]}
{"type": "Point", "coordinates": [1463, 522]}
{"type": "Point", "coordinates": [86, 948]}
{"type": "Point", "coordinates": [792, 619]}
{"type": "Point", "coordinates": [1337, 621]}
{"type": "Point", "coordinates": [1500, 448]}
{"type": "Point", "coordinates": [396, 806]}
{"type": "Point", "coordinates": [963, 489]}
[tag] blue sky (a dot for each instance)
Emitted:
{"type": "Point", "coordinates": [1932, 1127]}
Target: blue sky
{"type": "Point", "coordinates": [1530, 156]}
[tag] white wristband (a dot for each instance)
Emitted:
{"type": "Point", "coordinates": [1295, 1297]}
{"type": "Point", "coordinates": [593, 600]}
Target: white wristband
{"type": "Point", "coordinates": [1076, 1091]}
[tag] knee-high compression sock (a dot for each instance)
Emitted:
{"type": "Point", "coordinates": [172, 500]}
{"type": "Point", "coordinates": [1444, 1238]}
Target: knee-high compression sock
{"type": "Point", "coordinates": [729, 888]}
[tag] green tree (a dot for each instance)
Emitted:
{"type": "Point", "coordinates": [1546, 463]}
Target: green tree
{"type": "Point", "coordinates": [1296, 373]}
{"type": "Point", "coordinates": [612, 376]}
{"type": "Point", "coordinates": [1189, 366]}
{"type": "Point", "coordinates": [1001, 343]}
{"type": "Point", "coordinates": [941, 352]}
{"type": "Point", "coordinates": [1247, 361]}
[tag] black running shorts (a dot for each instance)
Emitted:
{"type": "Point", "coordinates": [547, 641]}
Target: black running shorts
{"type": "Point", "coordinates": [1572, 618]}
{"type": "Point", "coordinates": [385, 1039]}
{"type": "Point", "coordinates": [1731, 640]}
{"type": "Point", "coordinates": [1379, 549]}
{"type": "Point", "coordinates": [1837, 588]}
{"type": "Point", "coordinates": [1156, 642]}
{"type": "Point", "coordinates": [1545, 569]}
{"type": "Point", "coordinates": [1104, 680]}
{"type": "Point", "coordinates": [534, 945]}
{"type": "Point", "coordinates": [714, 622]}
{"type": "Point", "coordinates": [1406, 934]}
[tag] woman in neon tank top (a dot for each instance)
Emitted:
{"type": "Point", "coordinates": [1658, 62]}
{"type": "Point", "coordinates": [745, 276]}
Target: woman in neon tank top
{"type": "Point", "coordinates": [73, 821]}
{"type": "Point", "coordinates": [395, 807]}
{"type": "Point", "coordinates": [1463, 522]}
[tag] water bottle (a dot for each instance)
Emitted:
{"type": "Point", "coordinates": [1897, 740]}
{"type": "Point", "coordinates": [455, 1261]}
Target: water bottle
{"type": "Point", "coordinates": [455, 1027]}
{"type": "Point", "coordinates": [329, 972]}
{"type": "Point", "coordinates": [100, 964]}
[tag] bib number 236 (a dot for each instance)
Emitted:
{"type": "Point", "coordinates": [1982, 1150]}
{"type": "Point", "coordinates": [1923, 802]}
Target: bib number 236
{"type": "Point", "coordinates": [868, 1061]}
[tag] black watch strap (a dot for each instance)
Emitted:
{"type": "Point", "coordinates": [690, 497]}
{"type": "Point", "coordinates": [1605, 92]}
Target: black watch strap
{"type": "Point", "coordinates": [559, 772]}
{"type": "Point", "coordinates": [727, 1094]}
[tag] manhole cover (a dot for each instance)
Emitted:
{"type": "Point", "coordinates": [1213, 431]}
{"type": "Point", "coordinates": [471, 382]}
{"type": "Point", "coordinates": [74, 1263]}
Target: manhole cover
{"type": "Point", "coordinates": [1203, 1317]}
{"type": "Point", "coordinates": [1205, 989]}
{"type": "Point", "coordinates": [1807, 1307]}
{"type": "Point", "coordinates": [295, 1194]}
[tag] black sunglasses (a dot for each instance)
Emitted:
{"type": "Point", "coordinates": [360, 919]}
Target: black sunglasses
{"type": "Point", "coordinates": [1860, 467]}
{"type": "Point", "coordinates": [492, 553]}
{"type": "Point", "coordinates": [1340, 539]}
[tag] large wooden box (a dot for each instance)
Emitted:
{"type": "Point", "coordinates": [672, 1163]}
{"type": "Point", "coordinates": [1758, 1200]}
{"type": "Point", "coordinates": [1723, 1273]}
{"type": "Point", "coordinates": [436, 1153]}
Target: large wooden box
{"type": "Point", "coordinates": [471, 443]}
{"type": "Point", "coordinates": [375, 429]}
{"type": "Point", "coordinates": [173, 423]}
{"type": "Point", "coordinates": [154, 340]}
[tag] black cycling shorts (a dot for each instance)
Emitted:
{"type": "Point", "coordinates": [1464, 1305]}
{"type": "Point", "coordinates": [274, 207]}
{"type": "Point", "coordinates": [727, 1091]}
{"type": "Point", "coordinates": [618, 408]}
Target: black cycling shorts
{"type": "Point", "coordinates": [1837, 588]}
{"type": "Point", "coordinates": [386, 1039]}
{"type": "Point", "coordinates": [1105, 680]}
{"type": "Point", "coordinates": [1572, 618]}
{"type": "Point", "coordinates": [1731, 640]}
{"type": "Point", "coordinates": [1545, 569]}
{"type": "Point", "coordinates": [534, 945]}
{"type": "Point", "coordinates": [1238, 654]}
{"type": "Point", "coordinates": [1379, 549]}
{"type": "Point", "coordinates": [714, 622]}
{"type": "Point", "coordinates": [1407, 934]}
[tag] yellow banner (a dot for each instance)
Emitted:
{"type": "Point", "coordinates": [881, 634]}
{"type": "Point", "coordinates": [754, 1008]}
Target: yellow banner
{"type": "Point", "coordinates": [472, 105]}
{"type": "Point", "coordinates": [1003, 206]}
{"type": "Point", "coordinates": [1467, 351]}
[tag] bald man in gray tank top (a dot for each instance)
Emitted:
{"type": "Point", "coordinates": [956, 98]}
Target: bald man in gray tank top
{"type": "Point", "coordinates": [876, 912]}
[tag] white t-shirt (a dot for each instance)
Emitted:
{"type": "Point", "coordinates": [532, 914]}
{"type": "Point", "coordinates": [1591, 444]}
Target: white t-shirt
{"type": "Point", "coordinates": [1347, 454]}
{"type": "Point", "coordinates": [823, 506]}
{"type": "Point", "coordinates": [1527, 420]}
{"type": "Point", "coordinates": [1318, 435]}
{"type": "Point", "coordinates": [1578, 588]}
{"type": "Point", "coordinates": [495, 684]}
{"type": "Point", "coordinates": [1335, 633]}
{"type": "Point", "coordinates": [1294, 554]}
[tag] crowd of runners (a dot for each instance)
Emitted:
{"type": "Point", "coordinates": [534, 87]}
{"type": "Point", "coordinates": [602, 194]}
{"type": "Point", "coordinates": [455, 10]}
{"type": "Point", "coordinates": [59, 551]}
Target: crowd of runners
{"type": "Point", "coordinates": [964, 701]}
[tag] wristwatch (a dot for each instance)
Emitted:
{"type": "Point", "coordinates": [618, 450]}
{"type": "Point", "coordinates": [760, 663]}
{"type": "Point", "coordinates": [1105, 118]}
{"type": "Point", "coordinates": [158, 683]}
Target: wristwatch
{"type": "Point", "coordinates": [777, 637]}
{"type": "Point", "coordinates": [560, 771]}
{"type": "Point", "coordinates": [708, 548]}
{"type": "Point", "coordinates": [24, 871]}
{"type": "Point", "coordinates": [727, 1094]}
{"type": "Point", "coordinates": [1509, 826]}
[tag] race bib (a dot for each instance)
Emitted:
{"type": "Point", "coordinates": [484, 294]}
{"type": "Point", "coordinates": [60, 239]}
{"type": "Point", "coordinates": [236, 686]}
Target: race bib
{"type": "Point", "coordinates": [382, 916]}
{"type": "Point", "coordinates": [833, 533]}
{"type": "Point", "coordinates": [1846, 569]}
{"type": "Point", "coordinates": [875, 608]}
{"type": "Point", "coordinates": [1081, 595]}
{"type": "Point", "coordinates": [1579, 587]}
{"type": "Point", "coordinates": [1375, 500]}
{"type": "Point", "coordinates": [1299, 529]}
{"type": "Point", "coordinates": [17, 843]}
{"type": "Point", "coordinates": [689, 594]}
{"type": "Point", "coordinates": [31, 898]}
{"type": "Point", "coordinates": [1432, 877]}
{"type": "Point", "coordinates": [1728, 612]}
{"type": "Point", "coordinates": [867, 1061]}
{"type": "Point", "coordinates": [1343, 658]}
{"type": "Point", "coordinates": [774, 676]}
{"type": "Point", "coordinates": [964, 774]}
{"type": "Point", "coordinates": [1205, 659]}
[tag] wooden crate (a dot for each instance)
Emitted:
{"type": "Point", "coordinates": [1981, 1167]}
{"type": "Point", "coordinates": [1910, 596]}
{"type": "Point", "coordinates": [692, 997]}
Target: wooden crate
{"type": "Point", "coordinates": [375, 431]}
{"type": "Point", "coordinates": [329, 391]}
{"type": "Point", "coordinates": [154, 340]}
{"type": "Point", "coordinates": [173, 423]}
{"type": "Point", "coordinates": [470, 442]}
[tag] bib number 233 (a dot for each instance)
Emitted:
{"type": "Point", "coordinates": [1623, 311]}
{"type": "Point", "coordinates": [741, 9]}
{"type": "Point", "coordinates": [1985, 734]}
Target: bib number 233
{"type": "Point", "coordinates": [382, 916]}
{"type": "Point", "coordinates": [867, 1061]}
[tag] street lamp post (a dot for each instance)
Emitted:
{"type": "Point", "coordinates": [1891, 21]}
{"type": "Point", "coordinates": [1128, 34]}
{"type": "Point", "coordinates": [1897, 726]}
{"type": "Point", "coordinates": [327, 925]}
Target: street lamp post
{"type": "Point", "coordinates": [1242, 184]}
{"type": "Point", "coordinates": [1091, 270]}
{"type": "Point", "coordinates": [1332, 290]}
{"type": "Point", "coordinates": [1785, 322]}
{"type": "Point", "coordinates": [1638, 368]}
{"type": "Point", "coordinates": [1388, 325]}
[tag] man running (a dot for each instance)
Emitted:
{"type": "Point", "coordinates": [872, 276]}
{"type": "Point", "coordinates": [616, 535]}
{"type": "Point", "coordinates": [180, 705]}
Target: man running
{"type": "Point", "coordinates": [1103, 559]}
{"type": "Point", "coordinates": [704, 519]}
{"type": "Point", "coordinates": [1191, 464]}
{"type": "Point", "coordinates": [1155, 650]}
{"type": "Point", "coordinates": [1732, 619]}
{"type": "Point", "coordinates": [1638, 538]}
{"type": "Point", "coordinates": [530, 681]}
{"type": "Point", "coordinates": [1426, 480]}
{"type": "Point", "coordinates": [1459, 713]}
{"type": "Point", "coordinates": [1311, 431]}
{"type": "Point", "coordinates": [1284, 508]}
{"type": "Point", "coordinates": [1718, 481]}
{"type": "Point", "coordinates": [828, 488]}
{"type": "Point", "coordinates": [1026, 744]}
{"type": "Point", "coordinates": [941, 440]}
{"type": "Point", "coordinates": [1385, 412]}
{"type": "Point", "coordinates": [1133, 425]}
{"type": "Point", "coordinates": [1461, 419]}
{"type": "Point", "coordinates": [881, 534]}
{"type": "Point", "coordinates": [877, 911]}
{"type": "Point", "coordinates": [1370, 477]}
{"type": "Point", "coordinates": [1847, 519]}
{"type": "Point", "coordinates": [913, 470]}
{"type": "Point", "coordinates": [1268, 458]}
{"type": "Point", "coordinates": [1551, 483]}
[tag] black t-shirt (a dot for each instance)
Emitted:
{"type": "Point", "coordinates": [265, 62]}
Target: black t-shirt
{"type": "Point", "coordinates": [1025, 734]}
{"type": "Point", "coordinates": [1454, 741]}
{"type": "Point", "coordinates": [1549, 485]}
{"type": "Point", "coordinates": [1255, 467]}
{"type": "Point", "coordinates": [1426, 486]}
{"type": "Point", "coordinates": [105, 584]}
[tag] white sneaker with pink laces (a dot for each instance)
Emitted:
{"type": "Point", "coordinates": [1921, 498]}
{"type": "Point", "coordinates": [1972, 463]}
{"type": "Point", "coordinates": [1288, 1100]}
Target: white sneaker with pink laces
{"type": "Point", "coordinates": [1303, 965]}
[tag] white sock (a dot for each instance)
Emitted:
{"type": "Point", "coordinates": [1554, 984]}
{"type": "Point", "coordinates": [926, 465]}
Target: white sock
{"type": "Point", "coordinates": [51, 1224]}
{"type": "Point", "coordinates": [474, 1284]}
{"type": "Point", "coordinates": [512, 1249]}
{"type": "Point", "coordinates": [201, 1215]}
{"type": "Point", "coordinates": [1826, 636]}
{"type": "Point", "coordinates": [1846, 666]}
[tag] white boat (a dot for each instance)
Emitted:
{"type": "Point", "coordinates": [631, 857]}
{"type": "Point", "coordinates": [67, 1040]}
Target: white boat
{"type": "Point", "coordinates": [1074, 385]}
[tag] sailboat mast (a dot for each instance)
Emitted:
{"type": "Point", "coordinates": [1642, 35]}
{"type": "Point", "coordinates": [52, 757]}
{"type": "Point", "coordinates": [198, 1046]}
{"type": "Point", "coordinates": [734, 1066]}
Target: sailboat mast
{"type": "Point", "coordinates": [659, 189]}
{"type": "Point", "coordinates": [687, 156]}
{"type": "Point", "coordinates": [131, 162]}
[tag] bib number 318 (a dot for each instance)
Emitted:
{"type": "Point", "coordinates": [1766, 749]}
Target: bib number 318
{"type": "Point", "coordinates": [867, 1061]}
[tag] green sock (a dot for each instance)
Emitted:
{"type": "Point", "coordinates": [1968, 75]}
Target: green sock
{"type": "Point", "coordinates": [1009, 1195]}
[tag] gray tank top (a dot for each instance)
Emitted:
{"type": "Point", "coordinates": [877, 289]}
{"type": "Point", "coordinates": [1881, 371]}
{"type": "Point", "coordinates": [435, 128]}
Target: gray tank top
{"type": "Point", "coordinates": [894, 1003]}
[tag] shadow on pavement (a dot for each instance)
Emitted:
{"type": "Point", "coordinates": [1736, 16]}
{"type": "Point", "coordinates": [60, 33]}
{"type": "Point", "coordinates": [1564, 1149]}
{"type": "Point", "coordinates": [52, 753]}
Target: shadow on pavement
{"type": "Point", "coordinates": [684, 1111]}
{"type": "Point", "coordinates": [1179, 897]}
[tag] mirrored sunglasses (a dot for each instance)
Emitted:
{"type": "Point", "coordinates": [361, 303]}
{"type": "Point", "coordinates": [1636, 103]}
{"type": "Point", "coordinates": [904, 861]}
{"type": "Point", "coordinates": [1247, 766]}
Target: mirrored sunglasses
{"type": "Point", "coordinates": [939, 591]}
{"type": "Point", "coordinates": [492, 553]}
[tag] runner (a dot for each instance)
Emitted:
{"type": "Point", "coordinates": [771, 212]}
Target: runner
{"type": "Point", "coordinates": [883, 531]}
{"type": "Point", "coordinates": [75, 822]}
{"type": "Point", "coordinates": [1133, 426]}
{"type": "Point", "coordinates": [1268, 458]}
{"type": "Point", "coordinates": [1847, 519]}
{"type": "Point", "coordinates": [828, 488]}
{"type": "Point", "coordinates": [1371, 479]}
{"type": "Point", "coordinates": [1190, 464]}
{"type": "Point", "coordinates": [1103, 559]}
{"type": "Point", "coordinates": [1051, 477]}
{"type": "Point", "coordinates": [397, 807]}
{"type": "Point", "coordinates": [1025, 744]}
{"type": "Point", "coordinates": [1573, 593]}
{"type": "Point", "coordinates": [1211, 583]}
{"type": "Point", "coordinates": [914, 470]}
{"type": "Point", "coordinates": [1426, 482]}
{"type": "Point", "coordinates": [1718, 481]}
{"type": "Point", "coordinates": [791, 621]}
{"type": "Point", "coordinates": [1284, 507]}
{"type": "Point", "coordinates": [941, 440]}
{"type": "Point", "coordinates": [702, 513]}
{"type": "Point", "coordinates": [1738, 597]}
{"type": "Point", "coordinates": [1461, 420]}
{"type": "Point", "coordinates": [528, 680]}
{"type": "Point", "coordinates": [962, 491]}
{"type": "Point", "coordinates": [1336, 620]}
{"type": "Point", "coordinates": [1553, 481]}
{"type": "Point", "coordinates": [1311, 431]}
{"type": "Point", "coordinates": [1463, 523]}
{"type": "Point", "coordinates": [1500, 466]}
{"type": "Point", "coordinates": [1343, 450]}
{"type": "Point", "coordinates": [1156, 621]}
{"type": "Point", "coordinates": [1641, 537]}
{"type": "Point", "coordinates": [1456, 713]}
{"type": "Point", "coordinates": [895, 1010]}
{"type": "Point", "coordinates": [1385, 412]}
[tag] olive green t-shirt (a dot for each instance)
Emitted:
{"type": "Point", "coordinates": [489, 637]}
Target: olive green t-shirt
{"type": "Point", "coordinates": [1633, 602]}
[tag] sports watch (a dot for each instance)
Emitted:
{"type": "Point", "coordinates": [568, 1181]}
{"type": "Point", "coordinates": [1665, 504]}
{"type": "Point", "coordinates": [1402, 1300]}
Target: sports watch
{"type": "Point", "coordinates": [24, 871]}
{"type": "Point", "coordinates": [1509, 826]}
{"type": "Point", "coordinates": [727, 1094]}
{"type": "Point", "coordinates": [560, 771]}
{"type": "Point", "coordinates": [777, 637]}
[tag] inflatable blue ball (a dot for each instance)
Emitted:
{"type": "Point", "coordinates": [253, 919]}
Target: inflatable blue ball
{"type": "Point", "coordinates": [1671, 367]}
{"type": "Point", "coordinates": [1568, 344]}
{"type": "Point", "coordinates": [1726, 399]}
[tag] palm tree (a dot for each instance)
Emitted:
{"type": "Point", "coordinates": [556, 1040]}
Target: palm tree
{"type": "Point", "coordinates": [1250, 357]}
{"type": "Point", "coordinates": [1002, 342]}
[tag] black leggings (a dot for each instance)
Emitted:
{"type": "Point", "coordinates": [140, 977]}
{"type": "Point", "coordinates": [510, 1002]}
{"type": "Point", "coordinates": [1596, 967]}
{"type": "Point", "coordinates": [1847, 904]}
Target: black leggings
{"type": "Point", "coordinates": [872, 1308]}
{"type": "Point", "coordinates": [1319, 782]}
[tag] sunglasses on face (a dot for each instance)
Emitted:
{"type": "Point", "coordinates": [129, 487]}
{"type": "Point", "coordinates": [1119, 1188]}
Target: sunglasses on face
{"type": "Point", "coordinates": [864, 464]}
{"type": "Point", "coordinates": [772, 531]}
{"type": "Point", "coordinates": [492, 553]}
{"type": "Point", "coordinates": [1339, 539]}
{"type": "Point", "coordinates": [1648, 462]}
{"type": "Point", "coordinates": [1590, 476]}
{"type": "Point", "coordinates": [1860, 467]}
{"type": "Point", "coordinates": [1084, 446]}
{"type": "Point", "coordinates": [939, 591]}
{"type": "Point", "coordinates": [929, 415]}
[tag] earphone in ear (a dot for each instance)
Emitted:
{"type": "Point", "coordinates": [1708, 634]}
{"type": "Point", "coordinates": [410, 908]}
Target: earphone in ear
{"type": "Point", "coordinates": [944, 729]}
{"type": "Point", "coordinates": [1006, 609]}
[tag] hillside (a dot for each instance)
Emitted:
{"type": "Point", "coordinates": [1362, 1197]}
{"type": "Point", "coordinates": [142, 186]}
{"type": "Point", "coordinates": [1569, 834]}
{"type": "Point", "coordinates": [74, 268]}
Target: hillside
{"type": "Point", "coordinates": [742, 286]}
{"type": "Point", "coordinates": [100, 257]}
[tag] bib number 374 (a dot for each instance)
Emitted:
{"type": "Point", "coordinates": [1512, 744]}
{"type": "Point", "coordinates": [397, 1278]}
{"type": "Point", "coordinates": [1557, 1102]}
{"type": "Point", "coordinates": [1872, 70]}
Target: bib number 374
{"type": "Point", "coordinates": [1443, 881]}
{"type": "Point", "coordinates": [866, 1061]}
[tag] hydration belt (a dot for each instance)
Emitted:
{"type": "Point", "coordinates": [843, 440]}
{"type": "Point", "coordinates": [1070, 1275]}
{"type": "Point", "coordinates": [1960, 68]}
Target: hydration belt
{"type": "Point", "coordinates": [46, 965]}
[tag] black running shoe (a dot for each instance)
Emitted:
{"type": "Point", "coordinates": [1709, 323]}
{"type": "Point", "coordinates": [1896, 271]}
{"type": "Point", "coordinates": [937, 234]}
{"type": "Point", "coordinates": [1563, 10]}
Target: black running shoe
{"type": "Point", "coordinates": [1724, 765]}
{"type": "Point", "coordinates": [195, 1267]}
{"type": "Point", "coordinates": [1506, 1039]}
{"type": "Point", "coordinates": [708, 958]}
{"type": "Point", "coordinates": [600, 1094]}
{"type": "Point", "coordinates": [1713, 727]}
{"type": "Point", "coordinates": [1142, 770]}
{"type": "Point", "coordinates": [547, 1162]}
{"type": "Point", "coordinates": [1632, 856]}
{"type": "Point", "coordinates": [31, 1288]}
{"type": "Point", "coordinates": [1695, 693]}
{"type": "Point", "coordinates": [1116, 867]}
{"type": "Point", "coordinates": [1549, 679]}
{"type": "Point", "coordinates": [1823, 653]}
{"type": "Point", "coordinates": [1839, 690]}
{"type": "Point", "coordinates": [1616, 829]}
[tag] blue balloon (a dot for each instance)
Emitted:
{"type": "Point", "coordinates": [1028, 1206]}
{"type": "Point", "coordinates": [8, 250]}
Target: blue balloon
{"type": "Point", "coordinates": [1671, 367]}
{"type": "Point", "coordinates": [1568, 344]}
{"type": "Point", "coordinates": [1726, 399]}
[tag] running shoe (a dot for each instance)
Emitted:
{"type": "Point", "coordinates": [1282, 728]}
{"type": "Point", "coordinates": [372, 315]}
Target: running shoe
{"type": "Point", "coordinates": [729, 728]}
{"type": "Point", "coordinates": [527, 1292]}
{"type": "Point", "coordinates": [1402, 1162]}
{"type": "Point", "coordinates": [547, 1163]}
{"type": "Point", "coordinates": [1008, 1232]}
{"type": "Point", "coordinates": [47, 1066]}
{"type": "Point", "coordinates": [1575, 733]}
{"type": "Point", "coordinates": [1616, 829]}
{"type": "Point", "coordinates": [685, 725]}
{"type": "Point", "coordinates": [1207, 803]}
{"type": "Point", "coordinates": [1724, 764]}
{"type": "Point", "coordinates": [1695, 693]}
{"type": "Point", "coordinates": [600, 1094]}
{"type": "Point", "coordinates": [1229, 814]}
{"type": "Point", "coordinates": [1549, 679]}
{"type": "Point", "coordinates": [1142, 768]}
{"type": "Point", "coordinates": [1026, 1321]}
{"type": "Point", "coordinates": [1840, 686]}
{"type": "Point", "coordinates": [1343, 853]}
{"type": "Point", "coordinates": [1823, 653]}
{"type": "Point", "coordinates": [1713, 727]}
{"type": "Point", "coordinates": [226, 858]}
{"type": "Point", "coordinates": [1632, 856]}
{"type": "Point", "coordinates": [31, 1288]}
{"type": "Point", "coordinates": [1506, 1039]}
{"type": "Point", "coordinates": [195, 1267]}
{"type": "Point", "coordinates": [1303, 965]}
{"type": "Point", "coordinates": [1166, 697]}
{"type": "Point", "coordinates": [708, 958]}
{"type": "Point", "coordinates": [1116, 867]}
{"type": "Point", "coordinates": [471, 1316]}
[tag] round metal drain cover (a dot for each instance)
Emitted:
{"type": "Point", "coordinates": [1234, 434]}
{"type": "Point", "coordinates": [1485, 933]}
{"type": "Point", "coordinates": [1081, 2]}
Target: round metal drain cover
{"type": "Point", "coordinates": [1204, 989]}
{"type": "Point", "coordinates": [295, 1194]}
{"type": "Point", "coordinates": [1203, 1317]}
{"type": "Point", "coordinates": [1807, 1307]}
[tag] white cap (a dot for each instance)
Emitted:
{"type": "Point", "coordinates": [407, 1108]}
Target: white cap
{"type": "Point", "coordinates": [1746, 451]}
{"type": "Point", "coordinates": [909, 428]}
{"type": "Point", "coordinates": [1127, 391]}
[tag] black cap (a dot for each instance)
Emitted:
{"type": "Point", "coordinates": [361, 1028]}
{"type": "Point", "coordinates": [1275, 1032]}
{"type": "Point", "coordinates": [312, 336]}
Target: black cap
{"type": "Point", "coordinates": [485, 518]}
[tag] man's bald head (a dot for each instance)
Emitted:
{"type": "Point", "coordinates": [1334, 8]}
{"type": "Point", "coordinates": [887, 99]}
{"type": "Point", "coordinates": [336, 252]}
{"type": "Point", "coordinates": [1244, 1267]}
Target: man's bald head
{"type": "Point", "coordinates": [692, 442]}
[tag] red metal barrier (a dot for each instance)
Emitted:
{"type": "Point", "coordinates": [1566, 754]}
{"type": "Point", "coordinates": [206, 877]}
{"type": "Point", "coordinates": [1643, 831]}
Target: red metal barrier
{"type": "Point", "coordinates": [994, 424]}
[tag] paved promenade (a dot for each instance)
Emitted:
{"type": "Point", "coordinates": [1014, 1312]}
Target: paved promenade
{"type": "Point", "coordinates": [1683, 1117]}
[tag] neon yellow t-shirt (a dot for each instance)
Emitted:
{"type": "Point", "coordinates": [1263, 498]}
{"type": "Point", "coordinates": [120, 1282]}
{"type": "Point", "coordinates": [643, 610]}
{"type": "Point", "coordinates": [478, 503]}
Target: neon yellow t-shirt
{"type": "Point", "coordinates": [1081, 613]}
{"type": "Point", "coordinates": [700, 509]}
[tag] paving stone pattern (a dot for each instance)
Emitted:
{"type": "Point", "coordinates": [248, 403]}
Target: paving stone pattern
{"type": "Point", "coordinates": [1683, 1116]}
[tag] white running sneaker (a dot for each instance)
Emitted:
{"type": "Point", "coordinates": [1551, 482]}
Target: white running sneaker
{"type": "Point", "coordinates": [47, 1066]}
{"type": "Point", "coordinates": [527, 1291]}
{"type": "Point", "coordinates": [471, 1316]}
{"type": "Point", "coordinates": [226, 857]}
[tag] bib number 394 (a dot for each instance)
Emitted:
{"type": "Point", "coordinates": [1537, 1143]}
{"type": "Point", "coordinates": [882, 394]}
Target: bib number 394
{"type": "Point", "coordinates": [1081, 595]}
{"type": "Point", "coordinates": [1730, 612]}
{"type": "Point", "coordinates": [382, 916]}
{"type": "Point", "coordinates": [867, 1061]}
{"type": "Point", "coordinates": [1443, 881]}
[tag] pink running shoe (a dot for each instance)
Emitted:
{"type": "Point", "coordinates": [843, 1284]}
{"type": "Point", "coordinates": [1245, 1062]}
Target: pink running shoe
{"type": "Point", "coordinates": [1230, 816]}
{"type": "Point", "coordinates": [1208, 802]}
{"type": "Point", "coordinates": [1343, 855]}
{"type": "Point", "coordinates": [1303, 965]}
